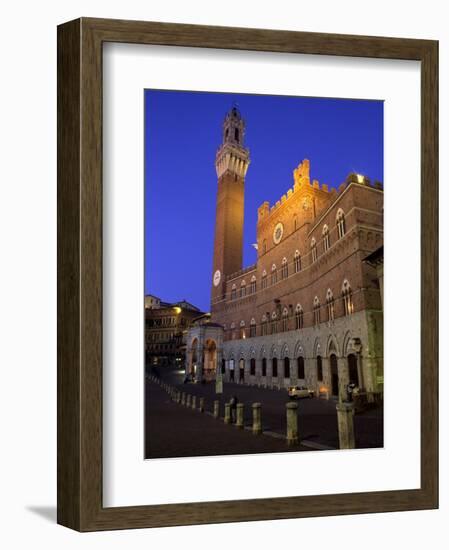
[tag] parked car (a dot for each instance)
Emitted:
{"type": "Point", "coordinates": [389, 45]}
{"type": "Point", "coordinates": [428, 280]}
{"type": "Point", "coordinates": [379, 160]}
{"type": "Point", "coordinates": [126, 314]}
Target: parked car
{"type": "Point", "coordinates": [297, 392]}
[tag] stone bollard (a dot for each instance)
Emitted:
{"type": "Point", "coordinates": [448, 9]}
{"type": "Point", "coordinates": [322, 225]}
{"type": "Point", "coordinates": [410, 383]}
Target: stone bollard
{"type": "Point", "coordinates": [345, 418]}
{"type": "Point", "coordinates": [201, 407]}
{"type": "Point", "coordinates": [257, 418]}
{"type": "Point", "coordinates": [188, 400]}
{"type": "Point", "coordinates": [216, 409]}
{"type": "Point", "coordinates": [227, 416]}
{"type": "Point", "coordinates": [292, 423]}
{"type": "Point", "coordinates": [239, 416]}
{"type": "Point", "coordinates": [183, 398]}
{"type": "Point", "coordinates": [194, 402]}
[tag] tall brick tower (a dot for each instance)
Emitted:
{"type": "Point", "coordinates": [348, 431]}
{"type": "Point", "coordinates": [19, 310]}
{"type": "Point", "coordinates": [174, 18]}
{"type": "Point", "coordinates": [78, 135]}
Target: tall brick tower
{"type": "Point", "coordinates": [231, 163]}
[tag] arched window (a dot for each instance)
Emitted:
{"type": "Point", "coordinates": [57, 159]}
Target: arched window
{"type": "Point", "coordinates": [274, 365]}
{"type": "Point", "coordinates": [274, 274]}
{"type": "Point", "coordinates": [301, 370]}
{"type": "Point", "coordinates": [286, 367]}
{"type": "Point", "coordinates": [316, 311]}
{"type": "Point", "coordinates": [253, 284]}
{"type": "Point", "coordinates": [242, 329]}
{"type": "Point", "coordinates": [264, 246]}
{"type": "Point", "coordinates": [252, 366]}
{"type": "Point", "coordinates": [330, 305]}
{"type": "Point", "coordinates": [297, 261]}
{"type": "Point", "coordinates": [346, 293]}
{"type": "Point", "coordinates": [264, 366]}
{"type": "Point", "coordinates": [299, 314]}
{"type": "Point", "coordinates": [285, 320]}
{"type": "Point", "coordinates": [326, 239]}
{"type": "Point", "coordinates": [284, 270]}
{"type": "Point", "coordinates": [233, 292]}
{"type": "Point", "coordinates": [314, 250]}
{"type": "Point", "coordinates": [341, 227]}
{"type": "Point", "coordinates": [295, 223]}
{"type": "Point", "coordinates": [264, 325]}
{"type": "Point", "coordinates": [233, 331]}
{"type": "Point", "coordinates": [252, 328]}
{"type": "Point", "coordinates": [274, 323]}
{"type": "Point", "coordinates": [243, 289]}
{"type": "Point", "coordinates": [319, 368]}
{"type": "Point", "coordinates": [264, 279]}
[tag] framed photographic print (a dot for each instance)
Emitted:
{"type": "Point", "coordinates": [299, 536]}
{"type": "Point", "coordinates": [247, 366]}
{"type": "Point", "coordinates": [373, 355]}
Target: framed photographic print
{"type": "Point", "coordinates": [247, 288]}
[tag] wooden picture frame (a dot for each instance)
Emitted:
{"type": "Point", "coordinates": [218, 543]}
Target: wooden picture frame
{"type": "Point", "coordinates": [80, 504]}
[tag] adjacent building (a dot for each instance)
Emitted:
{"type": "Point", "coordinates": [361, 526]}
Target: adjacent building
{"type": "Point", "coordinates": [166, 326]}
{"type": "Point", "coordinates": [309, 311]}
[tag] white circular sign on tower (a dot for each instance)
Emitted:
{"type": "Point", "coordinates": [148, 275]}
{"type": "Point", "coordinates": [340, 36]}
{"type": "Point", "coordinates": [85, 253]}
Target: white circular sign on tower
{"type": "Point", "coordinates": [277, 233]}
{"type": "Point", "coordinates": [217, 277]}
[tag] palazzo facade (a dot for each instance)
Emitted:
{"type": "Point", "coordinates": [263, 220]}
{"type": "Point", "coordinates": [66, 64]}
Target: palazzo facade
{"type": "Point", "coordinates": [309, 311]}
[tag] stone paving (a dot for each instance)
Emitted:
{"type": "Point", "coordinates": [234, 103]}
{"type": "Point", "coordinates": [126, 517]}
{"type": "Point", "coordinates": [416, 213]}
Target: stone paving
{"type": "Point", "coordinates": [317, 418]}
{"type": "Point", "coordinates": [173, 430]}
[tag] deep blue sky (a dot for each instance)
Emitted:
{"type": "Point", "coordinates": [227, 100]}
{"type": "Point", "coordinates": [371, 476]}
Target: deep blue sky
{"type": "Point", "coordinates": [182, 134]}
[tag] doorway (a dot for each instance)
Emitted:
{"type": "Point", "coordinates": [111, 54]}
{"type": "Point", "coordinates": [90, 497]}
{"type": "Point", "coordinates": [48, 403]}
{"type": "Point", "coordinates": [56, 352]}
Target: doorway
{"type": "Point", "coordinates": [334, 375]}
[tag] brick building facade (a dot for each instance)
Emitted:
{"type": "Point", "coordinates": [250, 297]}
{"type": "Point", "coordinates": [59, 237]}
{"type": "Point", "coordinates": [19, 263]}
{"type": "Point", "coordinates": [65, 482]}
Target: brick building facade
{"type": "Point", "coordinates": [309, 311]}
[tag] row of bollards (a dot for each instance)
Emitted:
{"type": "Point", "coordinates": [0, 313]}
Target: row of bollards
{"type": "Point", "coordinates": [233, 414]}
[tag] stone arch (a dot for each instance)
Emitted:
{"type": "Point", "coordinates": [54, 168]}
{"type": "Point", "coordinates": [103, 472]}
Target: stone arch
{"type": "Point", "coordinates": [285, 351]}
{"type": "Point", "coordinates": [262, 352]}
{"type": "Point", "coordinates": [251, 353]}
{"type": "Point", "coordinates": [299, 349]}
{"type": "Point", "coordinates": [317, 348]}
{"type": "Point", "coordinates": [210, 359]}
{"type": "Point", "coordinates": [347, 344]}
{"type": "Point", "coordinates": [332, 346]}
{"type": "Point", "coordinates": [274, 352]}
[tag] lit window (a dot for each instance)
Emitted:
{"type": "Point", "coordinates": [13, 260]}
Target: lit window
{"type": "Point", "coordinates": [341, 227]}
{"type": "Point", "coordinates": [264, 279]}
{"type": "Point", "coordinates": [330, 305]}
{"type": "Point", "coordinates": [253, 287]}
{"type": "Point", "coordinates": [316, 311]}
{"type": "Point", "coordinates": [243, 289]}
{"type": "Point", "coordinates": [298, 317]}
{"type": "Point", "coordinates": [297, 261]}
{"type": "Point", "coordinates": [284, 269]}
{"type": "Point", "coordinates": [326, 240]}
{"type": "Point", "coordinates": [252, 328]}
{"type": "Point", "coordinates": [347, 298]}
{"type": "Point", "coordinates": [242, 330]}
{"type": "Point", "coordinates": [233, 292]}
{"type": "Point", "coordinates": [285, 320]}
{"type": "Point", "coordinates": [314, 250]}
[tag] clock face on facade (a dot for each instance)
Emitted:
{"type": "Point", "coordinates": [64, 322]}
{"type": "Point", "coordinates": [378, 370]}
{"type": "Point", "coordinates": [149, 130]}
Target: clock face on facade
{"type": "Point", "coordinates": [217, 277]}
{"type": "Point", "coordinates": [278, 232]}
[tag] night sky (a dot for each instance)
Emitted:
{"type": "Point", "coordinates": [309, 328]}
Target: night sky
{"type": "Point", "coordinates": [182, 134]}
